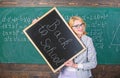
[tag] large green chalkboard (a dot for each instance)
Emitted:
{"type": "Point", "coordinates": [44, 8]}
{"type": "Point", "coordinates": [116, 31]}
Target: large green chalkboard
{"type": "Point", "coordinates": [103, 25]}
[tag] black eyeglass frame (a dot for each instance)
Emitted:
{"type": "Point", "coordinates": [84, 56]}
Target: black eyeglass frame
{"type": "Point", "coordinates": [78, 25]}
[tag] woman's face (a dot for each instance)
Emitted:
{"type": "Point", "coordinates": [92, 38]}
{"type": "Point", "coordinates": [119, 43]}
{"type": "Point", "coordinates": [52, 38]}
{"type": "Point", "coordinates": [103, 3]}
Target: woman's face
{"type": "Point", "coordinates": [78, 27]}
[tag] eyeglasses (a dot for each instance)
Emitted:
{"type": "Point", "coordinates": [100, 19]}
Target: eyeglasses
{"type": "Point", "coordinates": [78, 25]}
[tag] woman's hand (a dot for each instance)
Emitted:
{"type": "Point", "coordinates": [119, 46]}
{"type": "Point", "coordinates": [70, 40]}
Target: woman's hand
{"type": "Point", "coordinates": [35, 20]}
{"type": "Point", "coordinates": [70, 63]}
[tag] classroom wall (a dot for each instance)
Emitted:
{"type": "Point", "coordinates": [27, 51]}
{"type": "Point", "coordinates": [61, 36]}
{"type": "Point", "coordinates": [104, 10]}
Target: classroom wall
{"type": "Point", "coordinates": [13, 70]}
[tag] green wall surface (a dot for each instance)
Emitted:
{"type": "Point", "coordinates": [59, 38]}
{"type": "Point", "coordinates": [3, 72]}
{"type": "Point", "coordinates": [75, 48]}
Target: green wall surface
{"type": "Point", "coordinates": [103, 25]}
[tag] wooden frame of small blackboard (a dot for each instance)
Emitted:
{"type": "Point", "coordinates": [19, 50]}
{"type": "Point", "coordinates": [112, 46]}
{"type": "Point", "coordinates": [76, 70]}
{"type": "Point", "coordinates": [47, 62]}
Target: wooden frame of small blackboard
{"type": "Point", "coordinates": [54, 39]}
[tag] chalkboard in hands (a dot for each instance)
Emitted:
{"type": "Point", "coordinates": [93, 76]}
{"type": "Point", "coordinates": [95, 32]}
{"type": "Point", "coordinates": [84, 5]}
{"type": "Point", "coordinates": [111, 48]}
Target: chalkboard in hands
{"type": "Point", "coordinates": [54, 39]}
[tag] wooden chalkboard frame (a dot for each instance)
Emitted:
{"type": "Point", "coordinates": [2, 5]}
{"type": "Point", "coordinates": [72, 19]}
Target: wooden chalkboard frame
{"type": "Point", "coordinates": [31, 40]}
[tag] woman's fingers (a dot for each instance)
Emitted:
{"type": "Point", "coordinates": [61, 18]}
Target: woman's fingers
{"type": "Point", "coordinates": [35, 20]}
{"type": "Point", "coordinates": [69, 63]}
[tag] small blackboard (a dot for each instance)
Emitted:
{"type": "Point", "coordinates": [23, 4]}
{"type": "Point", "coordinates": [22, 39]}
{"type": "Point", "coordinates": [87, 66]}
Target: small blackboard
{"type": "Point", "coordinates": [54, 39]}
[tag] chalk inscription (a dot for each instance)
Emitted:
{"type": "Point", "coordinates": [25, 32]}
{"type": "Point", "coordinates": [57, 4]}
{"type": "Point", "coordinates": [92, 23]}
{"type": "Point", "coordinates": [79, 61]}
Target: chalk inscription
{"type": "Point", "coordinates": [50, 50]}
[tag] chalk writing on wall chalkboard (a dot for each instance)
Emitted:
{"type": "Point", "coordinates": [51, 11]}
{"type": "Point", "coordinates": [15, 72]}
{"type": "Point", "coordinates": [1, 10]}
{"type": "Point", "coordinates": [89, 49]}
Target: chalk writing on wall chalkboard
{"type": "Point", "coordinates": [116, 38]}
{"type": "Point", "coordinates": [54, 39]}
{"type": "Point", "coordinates": [12, 23]}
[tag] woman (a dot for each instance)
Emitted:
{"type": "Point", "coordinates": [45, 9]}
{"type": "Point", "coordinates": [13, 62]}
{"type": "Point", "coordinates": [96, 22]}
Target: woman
{"type": "Point", "coordinates": [80, 67]}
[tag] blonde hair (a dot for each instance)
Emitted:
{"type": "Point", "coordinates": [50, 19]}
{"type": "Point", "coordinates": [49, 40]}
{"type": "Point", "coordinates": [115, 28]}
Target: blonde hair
{"type": "Point", "coordinates": [73, 18]}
